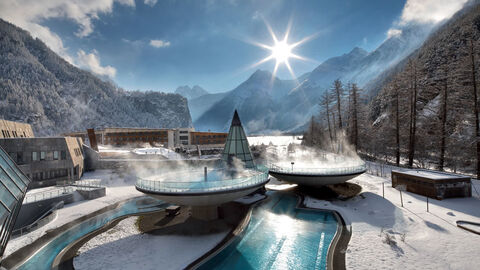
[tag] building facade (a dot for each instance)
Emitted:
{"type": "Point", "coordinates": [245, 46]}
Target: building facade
{"type": "Point", "coordinates": [204, 138]}
{"type": "Point", "coordinates": [10, 129]}
{"type": "Point", "coordinates": [169, 138]}
{"type": "Point", "coordinates": [47, 161]}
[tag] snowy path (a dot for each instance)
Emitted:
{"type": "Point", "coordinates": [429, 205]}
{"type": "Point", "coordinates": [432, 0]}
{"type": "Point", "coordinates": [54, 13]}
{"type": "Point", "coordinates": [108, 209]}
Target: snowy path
{"type": "Point", "coordinates": [423, 240]}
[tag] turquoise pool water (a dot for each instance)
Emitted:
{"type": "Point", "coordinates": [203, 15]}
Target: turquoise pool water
{"type": "Point", "coordinates": [280, 236]}
{"type": "Point", "coordinates": [43, 259]}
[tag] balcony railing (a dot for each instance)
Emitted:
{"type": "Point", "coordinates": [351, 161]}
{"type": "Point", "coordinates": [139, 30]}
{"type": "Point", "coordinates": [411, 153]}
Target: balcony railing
{"type": "Point", "coordinates": [318, 171]}
{"type": "Point", "coordinates": [39, 196]}
{"type": "Point", "coordinates": [199, 185]}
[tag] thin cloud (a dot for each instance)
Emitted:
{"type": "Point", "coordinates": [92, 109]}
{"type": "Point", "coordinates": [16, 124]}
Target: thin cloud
{"type": "Point", "coordinates": [425, 12]}
{"type": "Point", "coordinates": [28, 13]}
{"type": "Point", "coordinates": [429, 11]}
{"type": "Point", "coordinates": [150, 2]}
{"type": "Point", "coordinates": [158, 43]}
{"type": "Point", "coordinates": [91, 61]}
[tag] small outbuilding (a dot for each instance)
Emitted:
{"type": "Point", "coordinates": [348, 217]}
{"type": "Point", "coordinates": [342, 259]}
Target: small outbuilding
{"type": "Point", "coordinates": [433, 184]}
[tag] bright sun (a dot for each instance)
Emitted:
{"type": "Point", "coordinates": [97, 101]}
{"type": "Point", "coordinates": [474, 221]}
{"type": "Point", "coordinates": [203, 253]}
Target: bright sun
{"type": "Point", "coordinates": [281, 50]}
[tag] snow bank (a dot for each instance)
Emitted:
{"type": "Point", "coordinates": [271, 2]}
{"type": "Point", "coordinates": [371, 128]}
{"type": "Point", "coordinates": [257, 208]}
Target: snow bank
{"type": "Point", "coordinates": [124, 247]}
{"type": "Point", "coordinates": [387, 236]}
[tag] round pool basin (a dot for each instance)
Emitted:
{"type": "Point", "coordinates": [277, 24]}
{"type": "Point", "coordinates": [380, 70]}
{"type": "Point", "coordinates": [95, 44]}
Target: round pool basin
{"type": "Point", "coordinates": [198, 191]}
{"type": "Point", "coordinates": [316, 177]}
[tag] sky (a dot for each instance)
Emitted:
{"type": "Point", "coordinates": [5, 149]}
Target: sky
{"type": "Point", "coordinates": [162, 44]}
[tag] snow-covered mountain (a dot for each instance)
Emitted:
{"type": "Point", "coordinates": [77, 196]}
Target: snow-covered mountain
{"type": "Point", "coordinates": [39, 87]}
{"type": "Point", "coordinates": [255, 99]}
{"type": "Point", "coordinates": [270, 104]}
{"type": "Point", "coordinates": [191, 92]}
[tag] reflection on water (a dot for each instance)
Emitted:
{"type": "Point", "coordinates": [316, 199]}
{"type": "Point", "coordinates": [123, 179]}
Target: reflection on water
{"type": "Point", "coordinates": [44, 257]}
{"type": "Point", "coordinates": [280, 236]}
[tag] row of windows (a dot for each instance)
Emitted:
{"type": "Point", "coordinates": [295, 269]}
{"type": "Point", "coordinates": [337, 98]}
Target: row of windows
{"type": "Point", "coordinates": [152, 133]}
{"type": "Point", "coordinates": [38, 176]}
{"type": "Point", "coordinates": [6, 134]}
{"type": "Point", "coordinates": [211, 136]}
{"type": "Point", "coordinates": [208, 141]}
{"type": "Point", "coordinates": [131, 139]}
{"type": "Point", "coordinates": [23, 157]}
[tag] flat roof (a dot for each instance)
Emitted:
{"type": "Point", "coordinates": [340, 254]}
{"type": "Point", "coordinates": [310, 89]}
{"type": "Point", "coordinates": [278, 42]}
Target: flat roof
{"type": "Point", "coordinates": [433, 175]}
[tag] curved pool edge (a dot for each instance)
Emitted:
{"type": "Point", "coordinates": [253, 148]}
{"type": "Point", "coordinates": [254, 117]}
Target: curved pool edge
{"type": "Point", "coordinates": [64, 259]}
{"type": "Point", "coordinates": [336, 249]}
{"type": "Point", "coordinates": [335, 256]}
{"type": "Point", "coordinates": [234, 235]}
{"type": "Point", "coordinates": [17, 258]}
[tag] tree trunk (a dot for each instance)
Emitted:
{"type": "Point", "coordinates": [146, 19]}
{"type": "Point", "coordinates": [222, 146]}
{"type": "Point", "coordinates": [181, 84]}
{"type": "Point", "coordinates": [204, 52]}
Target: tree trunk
{"type": "Point", "coordinates": [397, 126]}
{"type": "Point", "coordinates": [327, 102]}
{"type": "Point", "coordinates": [475, 106]}
{"type": "Point", "coordinates": [413, 117]}
{"type": "Point", "coordinates": [338, 91]}
{"type": "Point", "coordinates": [441, 162]}
{"type": "Point", "coordinates": [355, 122]}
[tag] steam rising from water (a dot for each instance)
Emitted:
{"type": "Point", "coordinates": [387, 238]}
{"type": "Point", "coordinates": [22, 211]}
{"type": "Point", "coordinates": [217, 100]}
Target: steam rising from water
{"type": "Point", "coordinates": [283, 150]}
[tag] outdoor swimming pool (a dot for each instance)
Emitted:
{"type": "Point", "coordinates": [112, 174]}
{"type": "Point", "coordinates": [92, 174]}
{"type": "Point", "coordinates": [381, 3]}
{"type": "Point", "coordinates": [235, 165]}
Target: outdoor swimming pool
{"type": "Point", "coordinates": [280, 236]}
{"type": "Point", "coordinates": [44, 258]}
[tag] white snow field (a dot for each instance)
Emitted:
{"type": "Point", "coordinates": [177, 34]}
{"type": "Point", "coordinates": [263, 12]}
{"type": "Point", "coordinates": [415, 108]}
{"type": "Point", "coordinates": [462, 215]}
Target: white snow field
{"type": "Point", "coordinates": [388, 236]}
{"type": "Point", "coordinates": [124, 247]}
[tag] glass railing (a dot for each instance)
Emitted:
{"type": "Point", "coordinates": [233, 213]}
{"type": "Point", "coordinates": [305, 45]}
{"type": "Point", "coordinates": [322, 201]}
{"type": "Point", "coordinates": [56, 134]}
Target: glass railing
{"type": "Point", "coordinates": [252, 178]}
{"type": "Point", "coordinates": [319, 171]}
{"type": "Point", "coordinates": [43, 195]}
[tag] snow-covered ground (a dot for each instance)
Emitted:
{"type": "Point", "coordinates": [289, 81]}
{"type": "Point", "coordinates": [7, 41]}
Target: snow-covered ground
{"type": "Point", "coordinates": [388, 236]}
{"type": "Point", "coordinates": [124, 247]}
{"type": "Point", "coordinates": [167, 153]}
{"type": "Point", "coordinates": [118, 189]}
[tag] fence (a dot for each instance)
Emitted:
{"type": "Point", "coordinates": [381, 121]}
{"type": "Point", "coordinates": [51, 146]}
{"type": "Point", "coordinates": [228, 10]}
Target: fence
{"type": "Point", "coordinates": [39, 222]}
{"type": "Point", "coordinates": [47, 194]}
{"type": "Point", "coordinates": [87, 184]}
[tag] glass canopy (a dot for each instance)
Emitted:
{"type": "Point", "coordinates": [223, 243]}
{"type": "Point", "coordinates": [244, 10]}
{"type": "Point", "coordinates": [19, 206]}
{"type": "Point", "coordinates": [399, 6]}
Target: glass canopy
{"type": "Point", "coordinates": [13, 187]}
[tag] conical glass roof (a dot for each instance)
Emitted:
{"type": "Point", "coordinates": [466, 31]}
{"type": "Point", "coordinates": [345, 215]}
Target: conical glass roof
{"type": "Point", "coordinates": [237, 144]}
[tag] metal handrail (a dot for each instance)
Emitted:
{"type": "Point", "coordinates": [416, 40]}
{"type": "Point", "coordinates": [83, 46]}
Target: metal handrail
{"type": "Point", "coordinates": [315, 171]}
{"type": "Point", "coordinates": [201, 186]}
{"type": "Point", "coordinates": [28, 228]}
{"type": "Point", "coordinates": [47, 194]}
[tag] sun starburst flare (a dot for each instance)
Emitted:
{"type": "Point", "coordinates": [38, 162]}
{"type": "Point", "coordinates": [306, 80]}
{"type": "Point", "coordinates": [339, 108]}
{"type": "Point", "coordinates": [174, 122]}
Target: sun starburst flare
{"type": "Point", "coordinates": [281, 50]}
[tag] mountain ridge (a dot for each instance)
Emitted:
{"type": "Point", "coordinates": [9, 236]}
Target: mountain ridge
{"type": "Point", "coordinates": [40, 88]}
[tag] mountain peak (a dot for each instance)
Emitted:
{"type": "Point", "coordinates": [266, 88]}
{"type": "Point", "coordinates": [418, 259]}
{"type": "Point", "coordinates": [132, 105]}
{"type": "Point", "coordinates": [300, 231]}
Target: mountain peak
{"type": "Point", "coordinates": [358, 51]}
{"type": "Point", "coordinates": [191, 93]}
{"type": "Point", "coordinates": [261, 74]}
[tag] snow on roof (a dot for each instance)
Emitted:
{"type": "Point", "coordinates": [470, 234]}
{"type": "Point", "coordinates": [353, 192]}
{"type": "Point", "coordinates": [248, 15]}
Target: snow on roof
{"type": "Point", "coordinates": [434, 175]}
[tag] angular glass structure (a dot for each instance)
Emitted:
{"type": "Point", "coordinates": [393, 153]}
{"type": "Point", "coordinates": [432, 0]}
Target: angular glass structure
{"type": "Point", "coordinates": [236, 145]}
{"type": "Point", "coordinates": [13, 186]}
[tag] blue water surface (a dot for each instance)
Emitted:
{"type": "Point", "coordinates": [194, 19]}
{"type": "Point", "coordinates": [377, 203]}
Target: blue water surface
{"type": "Point", "coordinates": [280, 236]}
{"type": "Point", "coordinates": [44, 258]}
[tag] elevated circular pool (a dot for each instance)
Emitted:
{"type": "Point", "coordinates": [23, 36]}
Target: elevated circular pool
{"type": "Point", "coordinates": [316, 176]}
{"type": "Point", "coordinates": [200, 188]}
